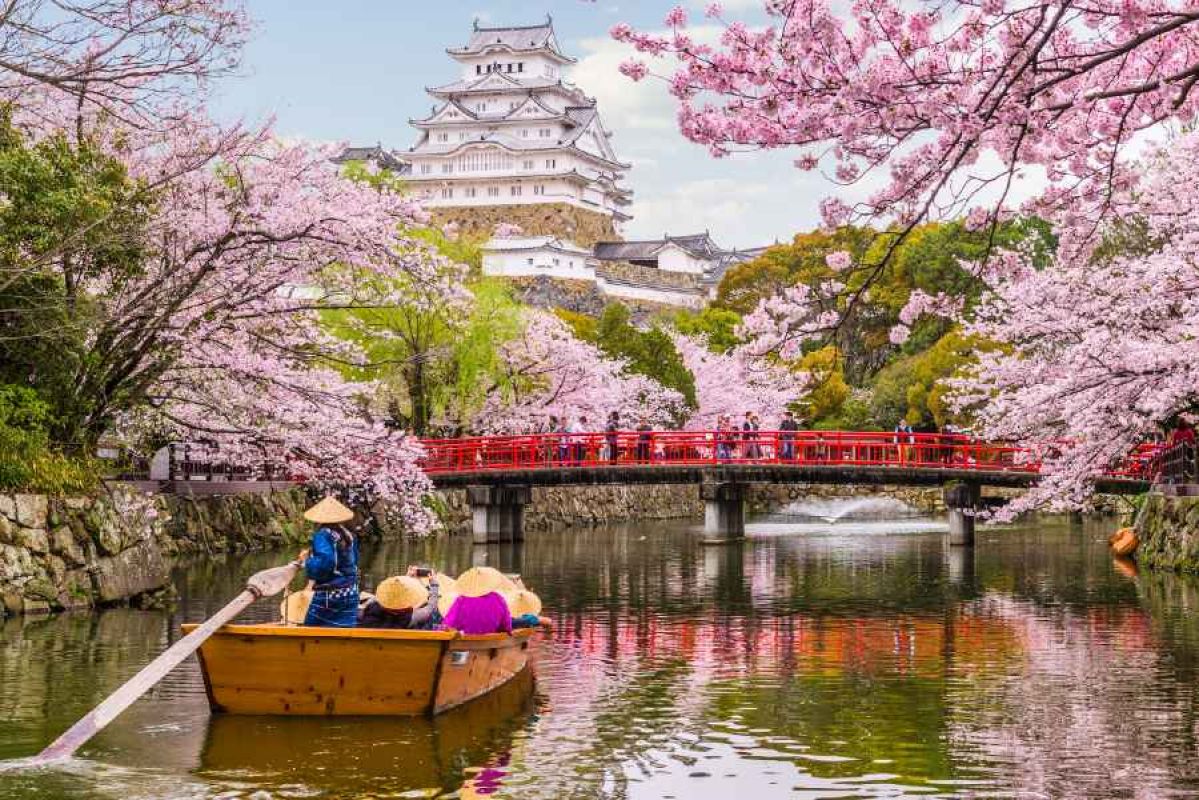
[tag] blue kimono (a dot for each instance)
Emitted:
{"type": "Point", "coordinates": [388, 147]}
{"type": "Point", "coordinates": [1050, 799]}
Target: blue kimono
{"type": "Point", "coordinates": [333, 565]}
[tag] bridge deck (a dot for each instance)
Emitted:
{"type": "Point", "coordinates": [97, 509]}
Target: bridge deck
{"type": "Point", "coordinates": [747, 457]}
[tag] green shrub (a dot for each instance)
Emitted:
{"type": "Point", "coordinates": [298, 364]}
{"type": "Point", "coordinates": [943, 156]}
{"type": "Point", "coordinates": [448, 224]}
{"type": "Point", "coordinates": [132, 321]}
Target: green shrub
{"type": "Point", "coordinates": [27, 461]}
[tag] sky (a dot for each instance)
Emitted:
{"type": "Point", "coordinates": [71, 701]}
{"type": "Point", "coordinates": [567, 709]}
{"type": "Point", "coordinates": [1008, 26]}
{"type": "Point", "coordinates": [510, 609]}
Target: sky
{"type": "Point", "coordinates": [356, 70]}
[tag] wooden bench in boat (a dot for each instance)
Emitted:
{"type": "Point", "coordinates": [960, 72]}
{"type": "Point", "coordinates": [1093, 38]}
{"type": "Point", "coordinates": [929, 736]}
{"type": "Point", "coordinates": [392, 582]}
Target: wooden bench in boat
{"type": "Point", "coordinates": [297, 670]}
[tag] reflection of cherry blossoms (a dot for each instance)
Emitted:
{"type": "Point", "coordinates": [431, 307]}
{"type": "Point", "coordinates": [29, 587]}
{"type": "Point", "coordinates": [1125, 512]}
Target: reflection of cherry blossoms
{"type": "Point", "coordinates": [551, 372]}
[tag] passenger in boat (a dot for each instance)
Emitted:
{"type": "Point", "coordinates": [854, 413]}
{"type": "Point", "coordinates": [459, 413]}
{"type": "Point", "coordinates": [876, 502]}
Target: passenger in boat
{"type": "Point", "coordinates": [525, 608]}
{"type": "Point", "coordinates": [480, 606]}
{"type": "Point", "coordinates": [401, 602]}
{"type": "Point", "coordinates": [332, 565]}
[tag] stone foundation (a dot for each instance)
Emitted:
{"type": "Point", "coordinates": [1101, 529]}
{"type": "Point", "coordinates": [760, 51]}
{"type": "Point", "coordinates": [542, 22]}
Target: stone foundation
{"type": "Point", "coordinates": [542, 219]}
{"type": "Point", "coordinates": [583, 297]}
{"type": "Point", "coordinates": [1168, 528]}
{"type": "Point", "coordinates": [80, 552]}
{"type": "Point", "coordinates": [559, 507]}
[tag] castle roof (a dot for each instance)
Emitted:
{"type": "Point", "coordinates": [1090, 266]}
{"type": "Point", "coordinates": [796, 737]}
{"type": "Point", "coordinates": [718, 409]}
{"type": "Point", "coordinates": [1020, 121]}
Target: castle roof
{"type": "Point", "coordinates": [501, 82]}
{"type": "Point", "coordinates": [513, 38]}
{"type": "Point", "coordinates": [517, 145]}
{"type": "Point", "coordinates": [518, 244]}
{"type": "Point", "coordinates": [699, 245]}
{"type": "Point", "coordinates": [384, 159]}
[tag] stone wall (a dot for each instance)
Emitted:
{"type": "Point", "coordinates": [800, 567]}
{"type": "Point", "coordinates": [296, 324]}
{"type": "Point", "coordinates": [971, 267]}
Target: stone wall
{"type": "Point", "coordinates": [1168, 528]}
{"type": "Point", "coordinates": [625, 272]}
{"type": "Point", "coordinates": [79, 552]}
{"type": "Point", "coordinates": [541, 219]}
{"type": "Point", "coordinates": [583, 297]}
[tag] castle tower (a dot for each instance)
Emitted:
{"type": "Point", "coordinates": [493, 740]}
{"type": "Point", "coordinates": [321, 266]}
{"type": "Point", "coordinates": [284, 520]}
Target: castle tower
{"type": "Point", "coordinates": [512, 141]}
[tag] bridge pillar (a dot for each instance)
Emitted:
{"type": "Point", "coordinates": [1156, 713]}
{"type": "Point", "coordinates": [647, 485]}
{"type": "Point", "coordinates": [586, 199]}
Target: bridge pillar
{"type": "Point", "coordinates": [498, 512]}
{"type": "Point", "coordinates": [724, 512]}
{"type": "Point", "coordinates": [962, 499]}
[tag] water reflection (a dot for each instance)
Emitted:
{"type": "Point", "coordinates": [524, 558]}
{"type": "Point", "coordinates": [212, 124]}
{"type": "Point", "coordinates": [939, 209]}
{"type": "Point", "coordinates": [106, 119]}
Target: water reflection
{"type": "Point", "coordinates": [868, 665]}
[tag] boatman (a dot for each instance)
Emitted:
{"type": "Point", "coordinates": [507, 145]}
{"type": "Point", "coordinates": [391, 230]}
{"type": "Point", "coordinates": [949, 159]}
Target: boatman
{"type": "Point", "coordinates": [332, 565]}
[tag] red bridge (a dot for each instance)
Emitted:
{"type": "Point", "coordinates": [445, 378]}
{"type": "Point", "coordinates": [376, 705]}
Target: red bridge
{"type": "Point", "coordinates": [499, 471]}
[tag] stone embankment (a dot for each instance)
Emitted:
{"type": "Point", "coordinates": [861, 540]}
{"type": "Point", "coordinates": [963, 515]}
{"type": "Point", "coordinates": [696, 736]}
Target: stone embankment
{"type": "Point", "coordinates": [1168, 529]}
{"type": "Point", "coordinates": [79, 552]}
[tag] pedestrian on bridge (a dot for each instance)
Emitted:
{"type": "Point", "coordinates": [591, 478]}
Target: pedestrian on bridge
{"type": "Point", "coordinates": [788, 426]}
{"type": "Point", "coordinates": [612, 437]}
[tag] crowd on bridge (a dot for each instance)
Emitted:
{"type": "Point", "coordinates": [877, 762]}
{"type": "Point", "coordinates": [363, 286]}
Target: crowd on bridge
{"type": "Point", "coordinates": [577, 441]}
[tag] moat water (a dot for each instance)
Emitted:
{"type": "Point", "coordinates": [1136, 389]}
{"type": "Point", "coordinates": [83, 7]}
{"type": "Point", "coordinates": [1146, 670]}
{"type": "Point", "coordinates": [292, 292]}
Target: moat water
{"type": "Point", "coordinates": [830, 656]}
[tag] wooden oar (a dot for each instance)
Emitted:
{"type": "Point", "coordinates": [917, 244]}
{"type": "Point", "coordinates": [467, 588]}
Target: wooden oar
{"type": "Point", "coordinates": [267, 583]}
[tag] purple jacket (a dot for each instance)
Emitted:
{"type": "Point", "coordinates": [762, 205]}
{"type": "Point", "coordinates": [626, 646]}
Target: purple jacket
{"type": "Point", "coordinates": [476, 615]}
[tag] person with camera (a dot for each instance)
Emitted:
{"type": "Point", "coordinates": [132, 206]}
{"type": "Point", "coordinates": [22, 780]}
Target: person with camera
{"type": "Point", "coordinates": [404, 602]}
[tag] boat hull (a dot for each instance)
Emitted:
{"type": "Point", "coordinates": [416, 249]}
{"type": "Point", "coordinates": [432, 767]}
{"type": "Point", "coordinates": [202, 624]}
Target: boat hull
{"type": "Point", "coordinates": [304, 671]}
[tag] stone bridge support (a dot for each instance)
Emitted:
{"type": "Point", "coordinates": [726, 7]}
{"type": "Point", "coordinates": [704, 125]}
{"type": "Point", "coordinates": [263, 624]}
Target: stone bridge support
{"type": "Point", "coordinates": [724, 511]}
{"type": "Point", "coordinates": [498, 512]}
{"type": "Point", "coordinates": [962, 499]}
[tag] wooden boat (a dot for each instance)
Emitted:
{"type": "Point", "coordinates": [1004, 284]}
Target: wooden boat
{"type": "Point", "coordinates": [297, 670]}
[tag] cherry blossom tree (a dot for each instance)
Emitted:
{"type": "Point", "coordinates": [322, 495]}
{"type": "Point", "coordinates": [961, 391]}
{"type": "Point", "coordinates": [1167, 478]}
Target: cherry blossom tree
{"type": "Point", "coordinates": [1098, 349]}
{"type": "Point", "coordinates": [133, 58]}
{"type": "Point", "coordinates": [946, 105]}
{"type": "Point", "coordinates": [550, 372]}
{"type": "Point", "coordinates": [213, 332]}
{"type": "Point", "coordinates": [735, 382]}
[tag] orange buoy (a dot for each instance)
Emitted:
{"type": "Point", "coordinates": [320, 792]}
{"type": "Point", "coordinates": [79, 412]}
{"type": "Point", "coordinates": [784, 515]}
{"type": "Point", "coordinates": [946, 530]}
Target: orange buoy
{"type": "Point", "coordinates": [1125, 542]}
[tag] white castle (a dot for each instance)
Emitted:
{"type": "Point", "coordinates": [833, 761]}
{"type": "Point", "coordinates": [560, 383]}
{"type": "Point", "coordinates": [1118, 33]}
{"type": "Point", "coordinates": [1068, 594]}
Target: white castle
{"type": "Point", "coordinates": [512, 141]}
{"type": "Point", "coordinates": [512, 131]}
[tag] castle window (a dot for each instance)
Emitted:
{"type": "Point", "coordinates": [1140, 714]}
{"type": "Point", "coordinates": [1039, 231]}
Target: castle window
{"type": "Point", "coordinates": [551, 163]}
{"type": "Point", "coordinates": [528, 164]}
{"type": "Point", "coordinates": [478, 69]}
{"type": "Point", "coordinates": [426, 169]}
{"type": "Point", "coordinates": [530, 261]}
{"type": "Point", "coordinates": [544, 133]}
{"type": "Point", "coordinates": [509, 68]}
{"type": "Point", "coordinates": [447, 168]}
{"type": "Point", "coordinates": [443, 137]}
{"type": "Point", "coordinates": [520, 66]}
{"type": "Point", "coordinates": [493, 191]}
{"type": "Point", "coordinates": [470, 191]}
{"type": "Point", "coordinates": [447, 194]}
{"type": "Point", "coordinates": [524, 133]}
{"type": "Point", "coordinates": [515, 191]}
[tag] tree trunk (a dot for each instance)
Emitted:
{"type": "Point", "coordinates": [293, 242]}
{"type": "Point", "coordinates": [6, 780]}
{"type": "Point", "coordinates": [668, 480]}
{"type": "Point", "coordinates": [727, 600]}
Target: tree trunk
{"type": "Point", "coordinates": [418, 396]}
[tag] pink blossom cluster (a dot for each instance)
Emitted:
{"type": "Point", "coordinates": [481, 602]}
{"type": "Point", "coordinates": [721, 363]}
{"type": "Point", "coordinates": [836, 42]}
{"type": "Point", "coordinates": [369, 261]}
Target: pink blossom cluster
{"type": "Point", "coordinates": [732, 383]}
{"type": "Point", "coordinates": [1098, 351]}
{"type": "Point", "coordinates": [551, 372]}
{"type": "Point", "coordinates": [945, 103]}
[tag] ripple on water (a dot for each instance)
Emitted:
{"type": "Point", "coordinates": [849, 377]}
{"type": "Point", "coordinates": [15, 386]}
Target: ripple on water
{"type": "Point", "coordinates": [804, 664]}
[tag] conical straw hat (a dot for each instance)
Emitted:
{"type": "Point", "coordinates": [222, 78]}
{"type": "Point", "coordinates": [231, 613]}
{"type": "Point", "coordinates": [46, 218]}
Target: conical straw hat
{"type": "Point", "coordinates": [328, 511]}
{"type": "Point", "coordinates": [523, 602]}
{"type": "Point", "coordinates": [294, 607]}
{"type": "Point", "coordinates": [401, 592]}
{"type": "Point", "coordinates": [478, 581]}
{"type": "Point", "coordinates": [444, 601]}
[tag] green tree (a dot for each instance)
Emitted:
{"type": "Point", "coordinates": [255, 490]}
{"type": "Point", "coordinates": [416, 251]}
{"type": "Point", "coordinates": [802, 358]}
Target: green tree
{"type": "Point", "coordinates": [648, 352]}
{"type": "Point", "coordinates": [718, 326]}
{"type": "Point", "coordinates": [69, 216]}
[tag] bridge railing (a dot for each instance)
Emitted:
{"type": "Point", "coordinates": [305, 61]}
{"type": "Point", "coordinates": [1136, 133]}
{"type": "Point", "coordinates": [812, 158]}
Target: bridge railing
{"type": "Point", "coordinates": [649, 448]}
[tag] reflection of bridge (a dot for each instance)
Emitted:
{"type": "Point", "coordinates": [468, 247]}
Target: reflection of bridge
{"type": "Point", "coordinates": [499, 471]}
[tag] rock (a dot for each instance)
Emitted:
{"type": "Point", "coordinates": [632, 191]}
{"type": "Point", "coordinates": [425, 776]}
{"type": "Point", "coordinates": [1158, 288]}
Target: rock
{"type": "Point", "coordinates": [77, 503]}
{"type": "Point", "coordinates": [33, 539]}
{"type": "Point", "coordinates": [139, 569]}
{"type": "Point", "coordinates": [108, 538]}
{"type": "Point", "coordinates": [8, 506]}
{"type": "Point", "coordinates": [31, 607]}
{"type": "Point", "coordinates": [6, 530]}
{"type": "Point", "coordinates": [63, 543]}
{"type": "Point", "coordinates": [15, 562]}
{"type": "Point", "coordinates": [40, 589]}
{"type": "Point", "coordinates": [31, 510]}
